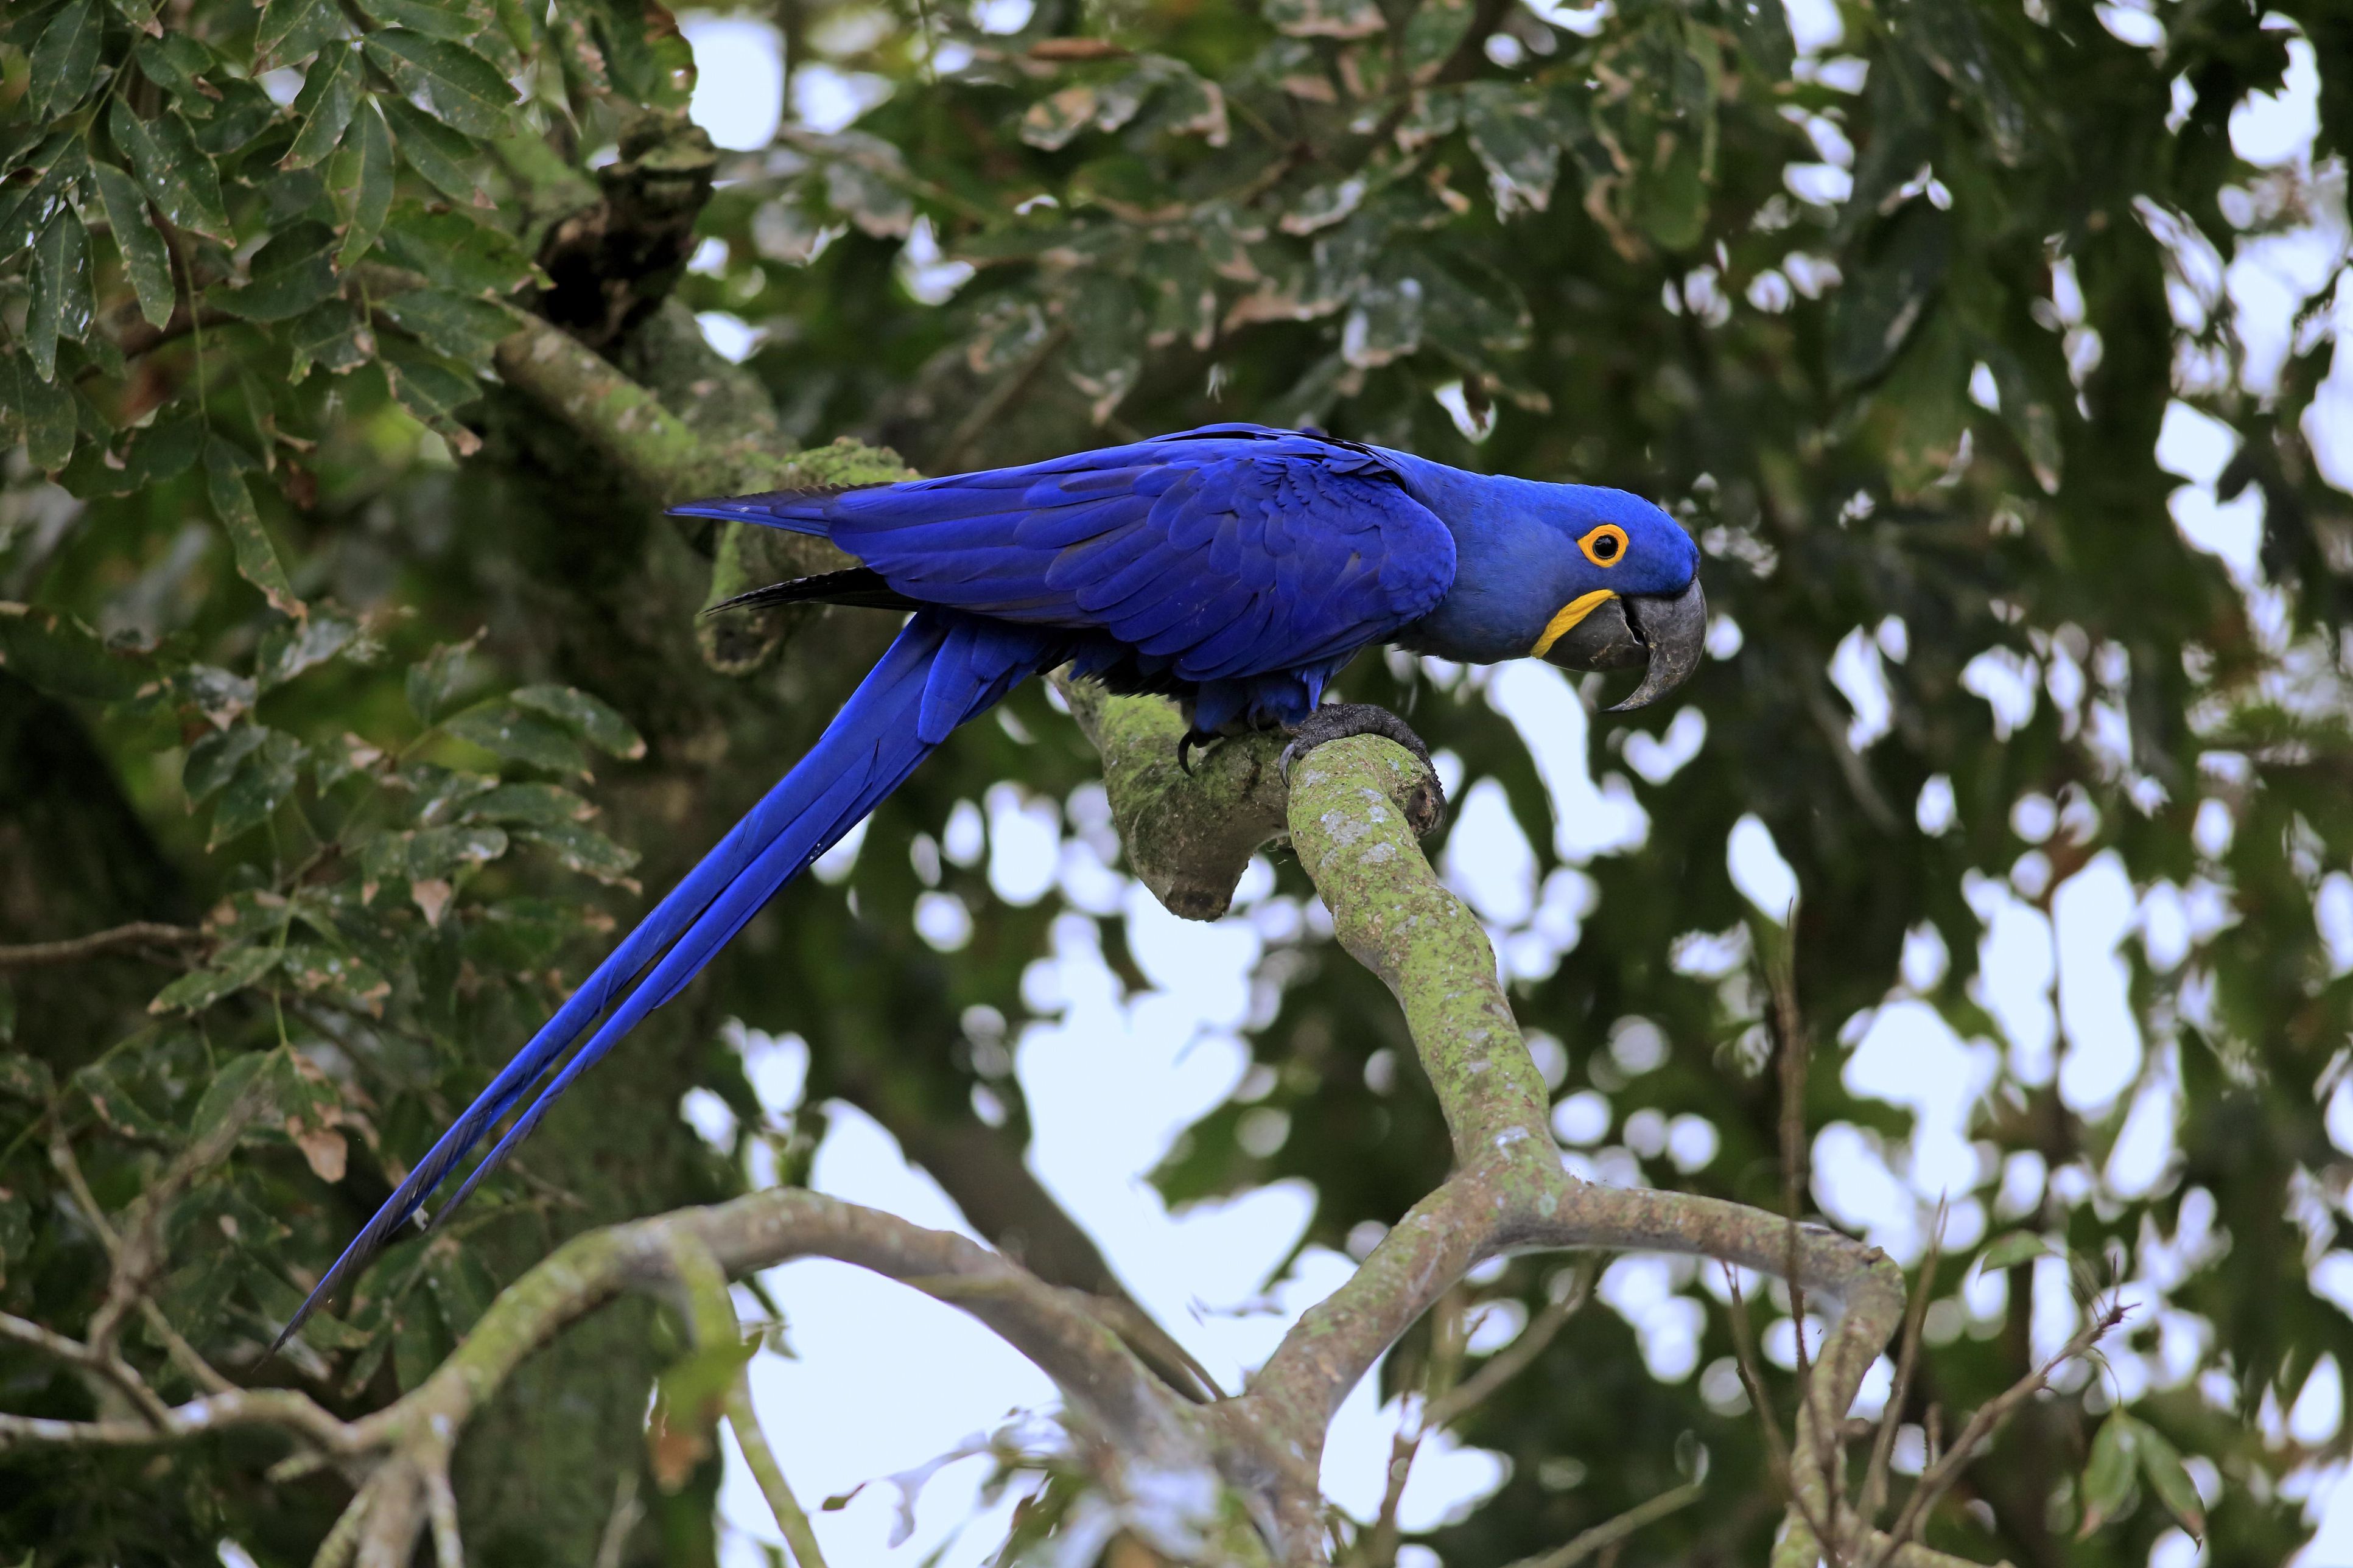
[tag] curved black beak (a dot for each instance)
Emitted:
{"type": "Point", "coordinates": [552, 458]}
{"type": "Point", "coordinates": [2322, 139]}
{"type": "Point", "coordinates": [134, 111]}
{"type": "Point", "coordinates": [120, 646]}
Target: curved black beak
{"type": "Point", "coordinates": [1670, 633]}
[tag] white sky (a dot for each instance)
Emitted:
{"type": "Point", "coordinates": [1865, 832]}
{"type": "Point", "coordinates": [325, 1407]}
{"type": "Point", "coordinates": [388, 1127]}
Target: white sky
{"type": "Point", "coordinates": [884, 1380]}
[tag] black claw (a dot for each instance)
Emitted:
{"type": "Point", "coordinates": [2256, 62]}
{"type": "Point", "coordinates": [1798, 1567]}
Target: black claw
{"type": "Point", "coordinates": [1203, 741]}
{"type": "Point", "coordinates": [1339, 720]}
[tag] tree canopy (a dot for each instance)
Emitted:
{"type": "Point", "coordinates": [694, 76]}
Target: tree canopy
{"type": "Point", "coordinates": [352, 688]}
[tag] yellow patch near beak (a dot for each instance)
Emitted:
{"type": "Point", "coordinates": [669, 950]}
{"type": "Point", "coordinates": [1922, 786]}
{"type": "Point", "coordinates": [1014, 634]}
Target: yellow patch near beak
{"type": "Point", "coordinates": [1575, 610]}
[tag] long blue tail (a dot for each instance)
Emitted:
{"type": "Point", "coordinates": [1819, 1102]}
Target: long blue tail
{"type": "Point", "coordinates": [943, 669]}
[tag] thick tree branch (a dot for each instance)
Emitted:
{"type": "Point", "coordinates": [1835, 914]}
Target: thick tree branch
{"type": "Point", "coordinates": [1346, 812]}
{"type": "Point", "coordinates": [1218, 1483]}
{"type": "Point", "coordinates": [1187, 837]}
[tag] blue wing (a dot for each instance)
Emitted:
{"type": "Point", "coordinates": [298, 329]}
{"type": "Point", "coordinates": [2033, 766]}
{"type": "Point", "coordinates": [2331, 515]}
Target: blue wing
{"type": "Point", "coordinates": [1220, 554]}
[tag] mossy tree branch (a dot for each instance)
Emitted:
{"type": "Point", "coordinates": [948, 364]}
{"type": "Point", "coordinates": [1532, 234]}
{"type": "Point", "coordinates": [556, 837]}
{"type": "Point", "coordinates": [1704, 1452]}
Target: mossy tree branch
{"type": "Point", "coordinates": [1235, 1481]}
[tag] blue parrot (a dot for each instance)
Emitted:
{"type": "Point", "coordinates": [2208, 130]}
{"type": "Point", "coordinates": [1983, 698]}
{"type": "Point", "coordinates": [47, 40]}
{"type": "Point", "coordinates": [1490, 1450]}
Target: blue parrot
{"type": "Point", "coordinates": [1236, 568]}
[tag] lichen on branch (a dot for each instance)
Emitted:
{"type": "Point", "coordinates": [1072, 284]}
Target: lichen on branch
{"type": "Point", "coordinates": [1188, 836]}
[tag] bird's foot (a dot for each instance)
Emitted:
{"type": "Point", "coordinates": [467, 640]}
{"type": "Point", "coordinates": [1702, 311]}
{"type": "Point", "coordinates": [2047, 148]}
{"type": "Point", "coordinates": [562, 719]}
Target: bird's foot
{"type": "Point", "coordinates": [1337, 720]}
{"type": "Point", "coordinates": [1202, 741]}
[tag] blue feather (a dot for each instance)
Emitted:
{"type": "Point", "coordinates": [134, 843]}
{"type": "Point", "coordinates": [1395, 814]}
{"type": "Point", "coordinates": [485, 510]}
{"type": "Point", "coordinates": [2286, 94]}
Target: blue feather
{"type": "Point", "coordinates": [942, 669]}
{"type": "Point", "coordinates": [1239, 565]}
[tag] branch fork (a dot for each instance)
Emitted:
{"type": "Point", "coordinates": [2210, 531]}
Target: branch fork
{"type": "Point", "coordinates": [1235, 1481]}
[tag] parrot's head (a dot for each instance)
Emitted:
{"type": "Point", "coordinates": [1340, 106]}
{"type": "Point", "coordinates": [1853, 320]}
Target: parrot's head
{"type": "Point", "coordinates": [1578, 575]}
{"type": "Point", "coordinates": [1625, 590]}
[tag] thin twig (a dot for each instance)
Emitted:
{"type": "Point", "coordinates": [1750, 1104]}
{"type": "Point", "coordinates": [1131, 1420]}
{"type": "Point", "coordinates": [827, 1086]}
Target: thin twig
{"type": "Point", "coordinates": [1611, 1531]}
{"type": "Point", "coordinates": [626, 1511]}
{"type": "Point", "coordinates": [441, 1504]}
{"type": "Point", "coordinates": [111, 1367]}
{"type": "Point", "coordinates": [73, 950]}
{"type": "Point", "coordinates": [342, 1540]}
{"type": "Point", "coordinates": [1515, 1358]}
{"type": "Point", "coordinates": [1907, 1358]}
{"type": "Point", "coordinates": [1814, 1435]}
{"type": "Point", "coordinates": [1778, 1457]}
{"type": "Point", "coordinates": [287, 1409]}
{"type": "Point", "coordinates": [790, 1517]}
{"type": "Point", "coordinates": [1434, 1379]}
{"type": "Point", "coordinates": [1944, 1470]}
{"type": "Point", "coordinates": [1752, 1378]}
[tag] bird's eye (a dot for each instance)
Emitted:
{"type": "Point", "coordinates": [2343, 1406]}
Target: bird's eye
{"type": "Point", "coordinates": [1605, 546]}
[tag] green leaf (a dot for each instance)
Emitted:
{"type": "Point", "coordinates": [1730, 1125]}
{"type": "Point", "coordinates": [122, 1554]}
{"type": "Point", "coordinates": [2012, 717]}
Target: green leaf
{"type": "Point", "coordinates": [262, 781]}
{"type": "Point", "coordinates": [2018, 1247]}
{"type": "Point", "coordinates": [532, 805]}
{"type": "Point", "coordinates": [1324, 18]}
{"type": "Point", "coordinates": [1106, 342]}
{"type": "Point", "coordinates": [1947, 33]}
{"type": "Point", "coordinates": [591, 718]}
{"type": "Point", "coordinates": [258, 787]}
{"type": "Point", "coordinates": [7, 1025]}
{"type": "Point", "coordinates": [518, 734]}
{"type": "Point", "coordinates": [583, 849]}
{"type": "Point", "coordinates": [861, 190]}
{"type": "Point", "coordinates": [316, 967]}
{"type": "Point", "coordinates": [359, 178]}
{"type": "Point", "coordinates": [219, 695]}
{"type": "Point", "coordinates": [60, 306]}
{"type": "Point", "coordinates": [1671, 195]}
{"type": "Point", "coordinates": [65, 62]}
{"type": "Point", "coordinates": [256, 557]}
{"type": "Point", "coordinates": [22, 1076]}
{"type": "Point", "coordinates": [459, 87]}
{"type": "Point", "coordinates": [292, 646]}
{"type": "Point", "coordinates": [292, 273]}
{"type": "Point", "coordinates": [243, 111]}
{"type": "Point", "coordinates": [451, 324]}
{"type": "Point", "coordinates": [1762, 29]}
{"type": "Point", "coordinates": [1055, 120]}
{"type": "Point", "coordinates": [433, 391]}
{"type": "Point", "coordinates": [329, 94]}
{"type": "Point", "coordinates": [462, 1286]}
{"type": "Point", "coordinates": [41, 408]}
{"type": "Point", "coordinates": [690, 1396]}
{"type": "Point", "coordinates": [438, 678]}
{"type": "Point", "coordinates": [55, 653]}
{"type": "Point", "coordinates": [176, 62]}
{"type": "Point", "coordinates": [214, 760]}
{"type": "Point", "coordinates": [436, 853]}
{"type": "Point", "coordinates": [145, 261]}
{"type": "Point", "coordinates": [434, 152]}
{"type": "Point", "coordinates": [2161, 1461]}
{"type": "Point", "coordinates": [149, 456]}
{"type": "Point", "coordinates": [427, 16]}
{"type": "Point", "coordinates": [331, 336]}
{"type": "Point", "coordinates": [290, 29]}
{"type": "Point", "coordinates": [1184, 304]}
{"type": "Point", "coordinates": [1510, 132]}
{"type": "Point", "coordinates": [457, 253]}
{"type": "Point", "coordinates": [240, 1089]}
{"type": "Point", "coordinates": [2030, 417]}
{"type": "Point", "coordinates": [179, 176]}
{"type": "Point", "coordinates": [228, 973]}
{"type": "Point", "coordinates": [2108, 1477]}
{"type": "Point", "coordinates": [1876, 312]}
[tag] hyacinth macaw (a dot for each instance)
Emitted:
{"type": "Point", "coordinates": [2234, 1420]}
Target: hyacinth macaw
{"type": "Point", "coordinates": [1236, 568]}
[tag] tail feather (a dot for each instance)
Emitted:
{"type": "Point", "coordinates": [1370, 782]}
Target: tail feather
{"type": "Point", "coordinates": [796, 511]}
{"type": "Point", "coordinates": [942, 670]}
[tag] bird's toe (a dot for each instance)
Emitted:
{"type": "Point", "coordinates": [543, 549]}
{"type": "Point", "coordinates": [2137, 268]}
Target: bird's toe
{"type": "Point", "coordinates": [1337, 720]}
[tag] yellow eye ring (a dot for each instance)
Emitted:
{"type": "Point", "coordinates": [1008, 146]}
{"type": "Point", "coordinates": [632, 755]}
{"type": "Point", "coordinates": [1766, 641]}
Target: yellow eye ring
{"type": "Point", "coordinates": [1605, 546]}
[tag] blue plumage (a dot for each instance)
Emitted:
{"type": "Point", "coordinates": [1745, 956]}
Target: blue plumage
{"type": "Point", "coordinates": [1235, 566]}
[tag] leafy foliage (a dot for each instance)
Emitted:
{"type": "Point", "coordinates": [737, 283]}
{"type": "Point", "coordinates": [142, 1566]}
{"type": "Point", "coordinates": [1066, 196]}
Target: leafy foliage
{"type": "Point", "coordinates": [304, 611]}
